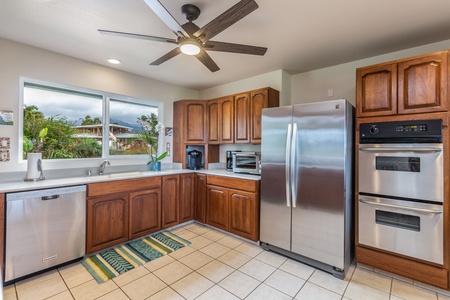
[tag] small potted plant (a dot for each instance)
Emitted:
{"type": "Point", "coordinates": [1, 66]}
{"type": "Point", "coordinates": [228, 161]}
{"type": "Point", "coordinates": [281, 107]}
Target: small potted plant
{"type": "Point", "coordinates": [150, 135]}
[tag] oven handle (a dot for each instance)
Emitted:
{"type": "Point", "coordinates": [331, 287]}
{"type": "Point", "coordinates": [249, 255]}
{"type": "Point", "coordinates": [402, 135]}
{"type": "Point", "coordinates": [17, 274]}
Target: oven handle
{"type": "Point", "coordinates": [423, 210]}
{"type": "Point", "coordinates": [398, 149]}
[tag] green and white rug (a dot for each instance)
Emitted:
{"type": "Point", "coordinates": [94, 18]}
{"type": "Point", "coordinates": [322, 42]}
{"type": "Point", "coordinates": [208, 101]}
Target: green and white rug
{"type": "Point", "coordinates": [123, 258]}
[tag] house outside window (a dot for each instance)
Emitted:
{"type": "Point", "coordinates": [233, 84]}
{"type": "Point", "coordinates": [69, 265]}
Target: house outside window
{"type": "Point", "coordinates": [64, 122]}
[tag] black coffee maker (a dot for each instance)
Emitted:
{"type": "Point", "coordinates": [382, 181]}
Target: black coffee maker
{"type": "Point", "coordinates": [195, 160]}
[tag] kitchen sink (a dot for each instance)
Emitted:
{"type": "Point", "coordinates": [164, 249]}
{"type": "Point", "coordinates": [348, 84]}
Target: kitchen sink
{"type": "Point", "coordinates": [118, 175]}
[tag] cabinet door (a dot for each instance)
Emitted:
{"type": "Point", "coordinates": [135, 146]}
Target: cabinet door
{"type": "Point", "coordinates": [226, 120]}
{"type": "Point", "coordinates": [217, 207]}
{"type": "Point", "coordinates": [107, 221]}
{"type": "Point", "coordinates": [259, 99]}
{"type": "Point", "coordinates": [196, 122]}
{"type": "Point", "coordinates": [241, 118]}
{"type": "Point", "coordinates": [145, 212]}
{"type": "Point", "coordinates": [376, 90]}
{"type": "Point", "coordinates": [422, 84]}
{"type": "Point", "coordinates": [213, 122]}
{"type": "Point", "coordinates": [170, 192]}
{"type": "Point", "coordinates": [244, 214]}
{"type": "Point", "coordinates": [186, 203]}
{"type": "Point", "coordinates": [200, 198]}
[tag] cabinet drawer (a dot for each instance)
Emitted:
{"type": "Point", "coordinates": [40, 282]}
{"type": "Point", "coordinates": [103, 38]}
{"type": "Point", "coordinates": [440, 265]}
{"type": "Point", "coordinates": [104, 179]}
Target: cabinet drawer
{"type": "Point", "coordinates": [234, 183]}
{"type": "Point", "coordinates": [119, 186]}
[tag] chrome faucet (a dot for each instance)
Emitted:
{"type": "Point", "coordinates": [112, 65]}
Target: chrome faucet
{"type": "Point", "coordinates": [102, 167]}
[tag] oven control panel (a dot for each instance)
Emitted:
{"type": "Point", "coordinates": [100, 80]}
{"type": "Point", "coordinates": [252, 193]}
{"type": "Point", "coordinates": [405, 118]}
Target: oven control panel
{"type": "Point", "coordinates": [419, 131]}
{"type": "Point", "coordinates": [412, 128]}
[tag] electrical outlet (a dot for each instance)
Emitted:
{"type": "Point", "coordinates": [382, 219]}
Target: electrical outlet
{"type": "Point", "coordinates": [330, 92]}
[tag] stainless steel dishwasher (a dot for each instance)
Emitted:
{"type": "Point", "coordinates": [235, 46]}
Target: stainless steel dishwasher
{"type": "Point", "coordinates": [44, 228]}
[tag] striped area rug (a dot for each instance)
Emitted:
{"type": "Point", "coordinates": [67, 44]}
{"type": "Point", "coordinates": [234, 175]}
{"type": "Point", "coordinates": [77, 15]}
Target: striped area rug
{"type": "Point", "coordinates": [123, 258]}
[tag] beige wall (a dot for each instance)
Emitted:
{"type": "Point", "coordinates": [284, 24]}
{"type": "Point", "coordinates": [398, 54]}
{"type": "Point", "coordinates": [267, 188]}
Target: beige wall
{"type": "Point", "coordinates": [22, 60]}
{"type": "Point", "coordinates": [313, 86]}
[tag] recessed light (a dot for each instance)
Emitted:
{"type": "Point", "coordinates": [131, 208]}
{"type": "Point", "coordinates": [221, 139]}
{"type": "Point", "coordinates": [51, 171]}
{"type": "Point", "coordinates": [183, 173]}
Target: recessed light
{"type": "Point", "coordinates": [114, 61]}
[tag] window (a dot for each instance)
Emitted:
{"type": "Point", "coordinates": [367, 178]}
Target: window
{"type": "Point", "coordinates": [65, 122]}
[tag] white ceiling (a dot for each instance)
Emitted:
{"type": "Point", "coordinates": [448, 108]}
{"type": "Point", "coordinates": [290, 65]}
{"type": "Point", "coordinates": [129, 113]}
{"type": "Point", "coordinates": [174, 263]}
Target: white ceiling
{"type": "Point", "coordinates": [300, 35]}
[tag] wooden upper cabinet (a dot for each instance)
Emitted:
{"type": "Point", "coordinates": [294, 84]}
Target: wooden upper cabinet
{"type": "Point", "coordinates": [242, 118]}
{"type": "Point", "coordinates": [408, 86]}
{"type": "Point", "coordinates": [376, 90]}
{"type": "Point", "coordinates": [213, 122]}
{"type": "Point", "coordinates": [259, 99]}
{"type": "Point", "coordinates": [226, 120]}
{"type": "Point", "coordinates": [190, 127]}
{"type": "Point", "coordinates": [422, 84]}
{"type": "Point", "coordinates": [196, 122]}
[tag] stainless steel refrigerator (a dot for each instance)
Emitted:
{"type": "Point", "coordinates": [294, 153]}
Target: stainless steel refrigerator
{"type": "Point", "coordinates": [307, 183]}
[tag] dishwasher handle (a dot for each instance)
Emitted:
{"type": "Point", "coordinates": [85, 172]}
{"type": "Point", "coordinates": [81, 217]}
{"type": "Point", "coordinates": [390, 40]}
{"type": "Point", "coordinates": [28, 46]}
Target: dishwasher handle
{"type": "Point", "coordinates": [52, 197]}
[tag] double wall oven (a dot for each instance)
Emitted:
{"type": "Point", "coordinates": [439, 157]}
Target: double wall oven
{"type": "Point", "coordinates": [401, 188]}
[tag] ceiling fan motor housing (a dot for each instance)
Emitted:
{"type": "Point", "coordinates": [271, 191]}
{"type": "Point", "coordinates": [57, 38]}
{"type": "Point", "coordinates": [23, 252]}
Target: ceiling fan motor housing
{"type": "Point", "coordinates": [190, 12]}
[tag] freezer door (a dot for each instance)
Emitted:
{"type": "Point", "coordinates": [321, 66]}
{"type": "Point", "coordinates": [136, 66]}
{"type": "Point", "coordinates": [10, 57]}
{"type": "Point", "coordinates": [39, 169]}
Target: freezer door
{"type": "Point", "coordinates": [320, 157]}
{"type": "Point", "coordinates": [275, 224]}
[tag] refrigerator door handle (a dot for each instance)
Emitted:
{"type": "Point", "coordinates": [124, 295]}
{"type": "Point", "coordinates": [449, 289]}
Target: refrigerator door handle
{"type": "Point", "coordinates": [288, 163]}
{"type": "Point", "coordinates": [293, 165]}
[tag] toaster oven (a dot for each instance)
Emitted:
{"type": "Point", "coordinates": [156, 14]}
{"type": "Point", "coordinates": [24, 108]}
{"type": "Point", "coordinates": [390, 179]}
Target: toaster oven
{"type": "Point", "coordinates": [247, 162]}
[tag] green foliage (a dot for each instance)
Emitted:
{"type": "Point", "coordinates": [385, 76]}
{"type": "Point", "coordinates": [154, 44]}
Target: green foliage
{"type": "Point", "coordinates": [150, 135]}
{"type": "Point", "coordinates": [53, 136]}
{"type": "Point", "coordinates": [89, 121]}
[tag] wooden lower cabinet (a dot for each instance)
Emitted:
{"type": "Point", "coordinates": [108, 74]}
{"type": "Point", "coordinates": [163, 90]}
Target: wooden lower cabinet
{"type": "Point", "coordinates": [426, 273]}
{"type": "Point", "coordinates": [107, 221]}
{"type": "Point", "coordinates": [177, 199]}
{"type": "Point", "coordinates": [217, 207]}
{"type": "Point", "coordinates": [118, 211]}
{"type": "Point", "coordinates": [244, 212]}
{"type": "Point", "coordinates": [170, 195]}
{"type": "Point", "coordinates": [145, 212]}
{"type": "Point", "coordinates": [186, 202]}
{"type": "Point", "coordinates": [200, 198]}
{"type": "Point", "coordinates": [233, 205]}
{"type": "Point", "coordinates": [2, 230]}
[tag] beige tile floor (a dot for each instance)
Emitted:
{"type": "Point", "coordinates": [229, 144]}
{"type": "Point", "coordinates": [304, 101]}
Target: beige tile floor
{"type": "Point", "coordinates": [220, 266]}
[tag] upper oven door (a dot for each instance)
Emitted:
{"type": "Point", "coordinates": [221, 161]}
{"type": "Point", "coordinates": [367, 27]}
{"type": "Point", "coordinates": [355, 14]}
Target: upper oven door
{"type": "Point", "coordinates": [402, 170]}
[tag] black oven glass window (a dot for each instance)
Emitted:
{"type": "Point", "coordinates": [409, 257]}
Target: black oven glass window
{"type": "Point", "coordinates": [397, 220]}
{"type": "Point", "coordinates": [246, 162]}
{"type": "Point", "coordinates": [395, 163]}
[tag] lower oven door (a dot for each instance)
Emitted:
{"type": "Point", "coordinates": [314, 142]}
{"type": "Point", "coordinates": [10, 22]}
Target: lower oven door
{"type": "Point", "coordinates": [402, 170]}
{"type": "Point", "coordinates": [403, 227]}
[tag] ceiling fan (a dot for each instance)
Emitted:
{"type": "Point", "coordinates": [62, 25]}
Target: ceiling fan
{"type": "Point", "coordinates": [193, 40]}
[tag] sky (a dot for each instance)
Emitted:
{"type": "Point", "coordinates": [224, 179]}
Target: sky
{"type": "Point", "coordinates": [75, 107]}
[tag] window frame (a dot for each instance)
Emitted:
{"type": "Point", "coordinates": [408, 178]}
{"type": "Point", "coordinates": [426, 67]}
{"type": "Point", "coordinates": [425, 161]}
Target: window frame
{"type": "Point", "coordinates": [106, 97]}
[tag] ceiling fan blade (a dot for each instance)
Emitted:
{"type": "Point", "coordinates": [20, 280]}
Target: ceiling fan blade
{"type": "Point", "coordinates": [235, 48]}
{"type": "Point", "coordinates": [137, 36]}
{"type": "Point", "coordinates": [167, 18]}
{"type": "Point", "coordinates": [205, 59]}
{"type": "Point", "coordinates": [166, 56]}
{"type": "Point", "coordinates": [225, 20]}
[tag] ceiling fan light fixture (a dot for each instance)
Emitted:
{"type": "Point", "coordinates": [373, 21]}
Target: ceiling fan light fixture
{"type": "Point", "coordinates": [190, 47]}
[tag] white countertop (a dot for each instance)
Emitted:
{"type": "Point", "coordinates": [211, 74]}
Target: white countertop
{"type": "Point", "coordinates": [14, 186]}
